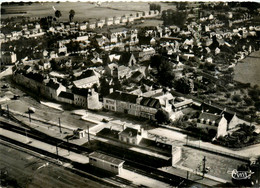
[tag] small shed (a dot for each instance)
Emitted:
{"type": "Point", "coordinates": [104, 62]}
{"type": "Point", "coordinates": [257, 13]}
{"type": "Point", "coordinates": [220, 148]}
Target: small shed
{"type": "Point", "coordinates": [106, 162]}
{"type": "Point", "coordinates": [79, 133]}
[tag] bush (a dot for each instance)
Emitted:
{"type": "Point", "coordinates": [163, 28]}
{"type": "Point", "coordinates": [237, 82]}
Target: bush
{"type": "Point", "coordinates": [236, 98]}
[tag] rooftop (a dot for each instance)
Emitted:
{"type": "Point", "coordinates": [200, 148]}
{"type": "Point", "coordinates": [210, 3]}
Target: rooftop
{"type": "Point", "coordinates": [130, 132]}
{"type": "Point", "coordinates": [107, 158]}
{"type": "Point", "coordinates": [211, 117]}
{"type": "Point", "coordinates": [123, 97]}
{"type": "Point", "coordinates": [150, 102]}
{"type": "Point", "coordinates": [66, 95]}
{"type": "Point", "coordinates": [84, 81]}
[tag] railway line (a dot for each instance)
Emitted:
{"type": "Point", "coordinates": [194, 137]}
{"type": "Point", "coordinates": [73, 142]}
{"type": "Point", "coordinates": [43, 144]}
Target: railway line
{"type": "Point", "coordinates": [131, 165]}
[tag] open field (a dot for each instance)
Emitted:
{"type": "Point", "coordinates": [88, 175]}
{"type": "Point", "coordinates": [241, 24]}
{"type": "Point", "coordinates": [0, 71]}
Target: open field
{"type": "Point", "coordinates": [84, 10]}
{"type": "Point", "coordinates": [248, 71]}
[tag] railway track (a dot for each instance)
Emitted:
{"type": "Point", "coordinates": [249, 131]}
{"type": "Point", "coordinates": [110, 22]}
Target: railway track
{"type": "Point", "coordinates": [129, 164]}
{"type": "Point", "coordinates": [113, 181]}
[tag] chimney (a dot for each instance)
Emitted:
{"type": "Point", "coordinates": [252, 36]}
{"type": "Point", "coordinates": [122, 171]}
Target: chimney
{"type": "Point", "coordinates": [142, 131]}
{"type": "Point", "coordinates": [111, 90]}
{"type": "Point", "coordinates": [123, 126]}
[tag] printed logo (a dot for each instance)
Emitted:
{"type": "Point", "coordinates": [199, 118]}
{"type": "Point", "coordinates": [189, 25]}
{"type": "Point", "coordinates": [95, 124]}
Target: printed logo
{"type": "Point", "coordinates": [240, 175]}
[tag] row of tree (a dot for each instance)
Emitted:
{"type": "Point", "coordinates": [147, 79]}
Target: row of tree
{"type": "Point", "coordinates": [71, 14]}
{"type": "Point", "coordinates": [171, 17]}
{"type": "Point", "coordinates": [154, 6]}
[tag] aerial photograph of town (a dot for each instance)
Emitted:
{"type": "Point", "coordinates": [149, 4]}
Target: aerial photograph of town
{"type": "Point", "coordinates": [129, 94]}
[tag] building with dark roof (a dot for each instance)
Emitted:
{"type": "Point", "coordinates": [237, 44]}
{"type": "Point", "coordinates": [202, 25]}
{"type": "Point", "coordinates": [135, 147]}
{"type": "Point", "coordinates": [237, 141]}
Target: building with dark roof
{"type": "Point", "coordinates": [66, 97]}
{"type": "Point", "coordinates": [132, 104]}
{"type": "Point", "coordinates": [213, 123]}
{"type": "Point", "coordinates": [131, 135]}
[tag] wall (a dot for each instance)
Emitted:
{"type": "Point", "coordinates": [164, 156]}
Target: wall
{"type": "Point", "coordinates": [80, 100]}
{"type": "Point", "coordinates": [105, 165]}
{"type": "Point", "coordinates": [110, 104]}
{"type": "Point", "coordinates": [176, 155]}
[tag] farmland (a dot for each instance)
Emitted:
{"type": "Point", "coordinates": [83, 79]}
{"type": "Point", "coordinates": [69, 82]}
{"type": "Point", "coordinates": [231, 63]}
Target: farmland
{"type": "Point", "coordinates": [84, 10]}
{"type": "Point", "coordinates": [248, 70]}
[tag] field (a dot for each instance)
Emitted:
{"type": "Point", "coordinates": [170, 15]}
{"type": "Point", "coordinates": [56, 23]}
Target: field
{"type": "Point", "coordinates": [84, 10]}
{"type": "Point", "coordinates": [248, 71]}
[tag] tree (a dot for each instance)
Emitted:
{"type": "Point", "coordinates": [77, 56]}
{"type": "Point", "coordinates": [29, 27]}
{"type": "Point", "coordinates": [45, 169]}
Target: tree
{"type": "Point", "coordinates": [58, 14]}
{"type": "Point", "coordinates": [72, 14]}
{"type": "Point", "coordinates": [171, 17]}
{"type": "Point", "coordinates": [236, 98]}
{"type": "Point", "coordinates": [257, 105]}
{"type": "Point", "coordinates": [73, 46]}
{"type": "Point", "coordinates": [166, 75]}
{"type": "Point", "coordinates": [155, 7]}
{"type": "Point", "coordinates": [162, 117]}
{"type": "Point", "coordinates": [104, 87]}
{"type": "Point", "coordinates": [248, 101]}
{"type": "Point", "coordinates": [183, 85]}
{"type": "Point", "coordinates": [156, 61]}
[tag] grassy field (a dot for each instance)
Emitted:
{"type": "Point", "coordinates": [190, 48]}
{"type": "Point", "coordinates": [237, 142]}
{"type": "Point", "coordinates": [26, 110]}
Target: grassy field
{"type": "Point", "coordinates": [84, 10]}
{"type": "Point", "coordinates": [248, 71]}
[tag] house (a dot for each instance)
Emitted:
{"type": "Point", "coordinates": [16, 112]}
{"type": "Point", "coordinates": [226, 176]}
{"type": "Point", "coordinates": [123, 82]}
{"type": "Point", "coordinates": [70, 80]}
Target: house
{"type": "Point", "coordinates": [82, 38]}
{"type": "Point", "coordinates": [66, 97]}
{"type": "Point", "coordinates": [8, 57]}
{"type": "Point", "coordinates": [87, 82]}
{"type": "Point", "coordinates": [137, 77]}
{"type": "Point", "coordinates": [128, 59]}
{"type": "Point", "coordinates": [146, 54]}
{"type": "Point", "coordinates": [113, 38]}
{"type": "Point", "coordinates": [131, 136]}
{"type": "Point", "coordinates": [62, 49]}
{"type": "Point", "coordinates": [213, 123]}
{"type": "Point", "coordinates": [30, 80]}
{"type": "Point", "coordinates": [123, 19]}
{"type": "Point", "coordinates": [27, 68]}
{"type": "Point", "coordinates": [117, 20]}
{"type": "Point", "coordinates": [93, 100]}
{"type": "Point", "coordinates": [130, 19]}
{"type": "Point", "coordinates": [122, 72]}
{"type": "Point", "coordinates": [44, 64]}
{"type": "Point", "coordinates": [109, 21]}
{"type": "Point", "coordinates": [122, 102]}
{"type": "Point", "coordinates": [92, 25]}
{"type": "Point", "coordinates": [80, 96]}
{"type": "Point", "coordinates": [86, 79]}
{"type": "Point", "coordinates": [101, 41]}
{"type": "Point", "coordinates": [100, 24]}
{"type": "Point", "coordinates": [53, 89]}
{"type": "Point", "coordinates": [149, 107]}
{"type": "Point", "coordinates": [112, 58]}
{"type": "Point", "coordinates": [86, 98]}
{"type": "Point", "coordinates": [110, 68]}
{"type": "Point", "coordinates": [110, 101]}
{"type": "Point", "coordinates": [96, 60]}
{"type": "Point", "coordinates": [82, 26]}
{"type": "Point", "coordinates": [136, 105]}
{"type": "Point", "coordinates": [180, 103]}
